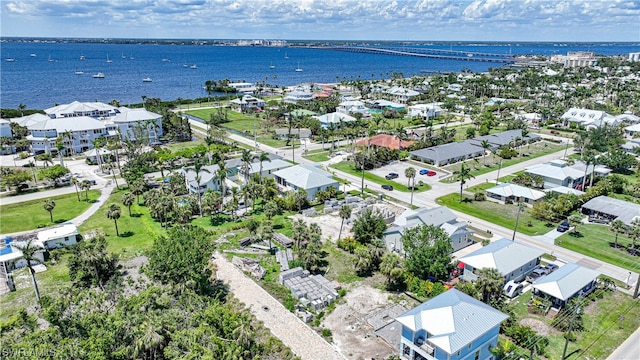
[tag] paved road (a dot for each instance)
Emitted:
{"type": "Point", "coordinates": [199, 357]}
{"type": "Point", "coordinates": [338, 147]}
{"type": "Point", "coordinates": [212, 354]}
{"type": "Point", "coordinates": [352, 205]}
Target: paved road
{"type": "Point", "coordinates": [300, 338]}
{"type": "Point", "coordinates": [628, 350]}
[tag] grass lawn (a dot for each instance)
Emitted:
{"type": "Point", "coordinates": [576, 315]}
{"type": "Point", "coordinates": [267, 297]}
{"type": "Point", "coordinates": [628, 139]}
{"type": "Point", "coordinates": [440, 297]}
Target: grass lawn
{"type": "Point", "coordinates": [347, 166]}
{"type": "Point", "coordinates": [340, 265]}
{"type": "Point", "coordinates": [30, 215]}
{"type": "Point", "coordinates": [598, 242]}
{"type": "Point", "coordinates": [602, 333]}
{"type": "Point", "coordinates": [136, 232]}
{"type": "Point", "coordinates": [491, 163]}
{"type": "Point", "coordinates": [317, 155]}
{"type": "Point", "coordinates": [499, 214]}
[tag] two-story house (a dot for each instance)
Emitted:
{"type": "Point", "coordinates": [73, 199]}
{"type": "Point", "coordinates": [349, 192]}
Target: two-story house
{"type": "Point", "coordinates": [451, 326]}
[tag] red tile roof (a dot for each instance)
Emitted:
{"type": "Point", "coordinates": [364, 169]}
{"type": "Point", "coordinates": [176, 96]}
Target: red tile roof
{"type": "Point", "coordinates": [384, 140]}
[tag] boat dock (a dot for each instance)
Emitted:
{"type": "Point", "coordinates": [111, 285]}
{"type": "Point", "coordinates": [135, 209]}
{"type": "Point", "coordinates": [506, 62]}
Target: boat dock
{"type": "Point", "coordinates": [429, 53]}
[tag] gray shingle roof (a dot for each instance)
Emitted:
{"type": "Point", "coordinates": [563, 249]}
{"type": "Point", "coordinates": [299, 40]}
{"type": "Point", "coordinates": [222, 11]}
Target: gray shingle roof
{"type": "Point", "coordinates": [448, 151]}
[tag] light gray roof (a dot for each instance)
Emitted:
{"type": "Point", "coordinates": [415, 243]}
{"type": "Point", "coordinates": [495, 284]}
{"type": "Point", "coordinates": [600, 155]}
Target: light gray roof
{"type": "Point", "coordinates": [335, 118]}
{"type": "Point", "coordinates": [306, 176]}
{"type": "Point", "coordinates": [503, 255]}
{"type": "Point", "coordinates": [507, 190]}
{"type": "Point", "coordinates": [448, 151]}
{"type": "Point", "coordinates": [268, 165]}
{"type": "Point", "coordinates": [30, 120]}
{"type": "Point", "coordinates": [556, 169]}
{"type": "Point", "coordinates": [300, 132]}
{"type": "Point", "coordinates": [435, 216]}
{"type": "Point", "coordinates": [207, 174]}
{"type": "Point", "coordinates": [80, 123]}
{"type": "Point", "coordinates": [452, 319]}
{"type": "Point", "coordinates": [80, 107]}
{"type": "Point", "coordinates": [566, 190]}
{"type": "Point", "coordinates": [503, 138]}
{"type": "Point", "coordinates": [135, 115]}
{"type": "Point", "coordinates": [566, 281]}
{"type": "Point", "coordinates": [622, 210]}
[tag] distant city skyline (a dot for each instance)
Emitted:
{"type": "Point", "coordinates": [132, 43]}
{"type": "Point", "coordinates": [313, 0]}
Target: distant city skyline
{"type": "Point", "coordinates": [411, 20]}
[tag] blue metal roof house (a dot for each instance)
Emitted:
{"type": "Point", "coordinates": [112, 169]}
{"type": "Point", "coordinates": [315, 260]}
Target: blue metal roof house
{"type": "Point", "coordinates": [451, 326]}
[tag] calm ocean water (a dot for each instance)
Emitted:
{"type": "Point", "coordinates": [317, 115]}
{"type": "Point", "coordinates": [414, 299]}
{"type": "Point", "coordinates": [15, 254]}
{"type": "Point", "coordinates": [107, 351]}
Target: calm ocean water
{"type": "Point", "coordinates": [39, 83]}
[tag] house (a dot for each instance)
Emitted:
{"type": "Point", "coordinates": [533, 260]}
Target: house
{"type": "Point", "coordinates": [297, 95]}
{"type": "Point", "coordinates": [400, 94]}
{"type": "Point", "coordinates": [588, 118]}
{"type": "Point", "coordinates": [632, 131]}
{"type": "Point", "coordinates": [385, 104]}
{"type": "Point", "coordinates": [631, 146]}
{"type": "Point", "coordinates": [512, 260]}
{"type": "Point", "coordinates": [80, 109]}
{"type": "Point", "coordinates": [247, 102]}
{"type": "Point", "coordinates": [452, 325]}
{"type": "Point", "coordinates": [268, 168]}
{"type": "Point", "coordinates": [11, 257]}
{"type": "Point", "coordinates": [307, 177]}
{"type": "Point", "coordinates": [302, 133]}
{"type": "Point", "coordinates": [58, 236]}
{"type": "Point", "coordinates": [385, 140]}
{"type": "Point", "coordinates": [204, 180]}
{"type": "Point", "coordinates": [448, 153]}
{"type": "Point", "coordinates": [97, 156]}
{"type": "Point", "coordinates": [335, 118]}
{"type": "Point", "coordinates": [440, 217]}
{"type": "Point", "coordinates": [424, 111]}
{"type": "Point", "coordinates": [558, 173]}
{"type": "Point", "coordinates": [504, 138]}
{"type": "Point", "coordinates": [454, 87]}
{"type": "Point", "coordinates": [130, 120]}
{"type": "Point", "coordinates": [507, 192]}
{"type": "Point", "coordinates": [83, 131]}
{"type": "Point", "coordinates": [566, 283]}
{"type": "Point", "coordinates": [566, 190]}
{"type": "Point", "coordinates": [604, 209]}
{"type": "Point", "coordinates": [353, 106]}
{"type": "Point", "coordinates": [243, 87]}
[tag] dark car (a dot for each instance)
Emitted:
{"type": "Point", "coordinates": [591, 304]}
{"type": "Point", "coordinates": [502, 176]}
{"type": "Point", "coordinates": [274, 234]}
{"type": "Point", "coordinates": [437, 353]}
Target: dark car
{"type": "Point", "coordinates": [563, 227]}
{"type": "Point", "coordinates": [390, 176]}
{"type": "Point", "coordinates": [549, 268]}
{"type": "Point", "coordinates": [424, 171]}
{"type": "Point", "coordinates": [387, 187]}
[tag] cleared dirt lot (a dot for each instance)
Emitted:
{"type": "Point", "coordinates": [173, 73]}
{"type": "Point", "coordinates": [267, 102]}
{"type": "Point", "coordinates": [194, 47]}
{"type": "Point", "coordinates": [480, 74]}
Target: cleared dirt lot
{"type": "Point", "coordinates": [330, 225]}
{"type": "Point", "coordinates": [348, 323]}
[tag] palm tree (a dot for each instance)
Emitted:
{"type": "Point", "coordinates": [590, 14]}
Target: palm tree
{"type": "Point", "coordinates": [485, 144]}
{"type": "Point", "coordinates": [75, 182]}
{"type": "Point", "coordinates": [29, 250]}
{"type": "Point", "coordinates": [263, 157]}
{"type": "Point", "coordinates": [410, 174]}
{"type": "Point", "coordinates": [247, 159]}
{"type": "Point", "coordinates": [463, 175]}
{"type": "Point", "coordinates": [212, 202]}
{"type": "Point", "coordinates": [60, 147]}
{"type": "Point", "coordinates": [49, 205]}
{"type": "Point", "coordinates": [617, 226]}
{"type": "Point", "coordinates": [198, 167]}
{"type": "Point", "coordinates": [345, 213]}
{"type": "Point", "coordinates": [489, 283]}
{"type": "Point", "coordinates": [137, 189]}
{"type": "Point", "coordinates": [113, 213]}
{"type": "Point", "coordinates": [221, 175]}
{"type": "Point", "coordinates": [112, 169]}
{"type": "Point", "coordinates": [634, 234]}
{"type": "Point", "coordinates": [391, 267]}
{"type": "Point", "coordinates": [127, 200]}
{"type": "Point", "coordinates": [85, 185]}
{"type": "Point", "coordinates": [266, 232]}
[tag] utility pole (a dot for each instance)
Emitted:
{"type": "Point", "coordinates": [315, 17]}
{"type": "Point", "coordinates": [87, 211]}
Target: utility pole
{"type": "Point", "coordinates": [635, 292]}
{"type": "Point", "coordinates": [520, 205]}
{"type": "Point", "coordinates": [568, 336]}
{"type": "Point", "coordinates": [498, 176]}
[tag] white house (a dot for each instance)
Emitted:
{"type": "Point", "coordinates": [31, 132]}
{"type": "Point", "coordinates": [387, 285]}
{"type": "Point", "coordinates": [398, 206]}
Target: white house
{"type": "Point", "coordinates": [557, 173]}
{"type": "Point", "coordinates": [512, 192]}
{"type": "Point", "coordinates": [400, 94]}
{"type": "Point", "coordinates": [247, 102]}
{"type": "Point", "coordinates": [589, 118]}
{"type": "Point", "coordinates": [58, 236]}
{"type": "Point", "coordinates": [335, 118]}
{"type": "Point", "coordinates": [566, 283]}
{"type": "Point", "coordinates": [243, 87]}
{"type": "Point", "coordinates": [268, 168]}
{"type": "Point", "coordinates": [512, 260]}
{"type": "Point", "coordinates": [79, 109]}
{"type": "Point", "coordinates": [440, 217]}
{"type": "Point", "coordinates": [353, 106]}
{"type": "Point", "coordinates": [425, 111]}
{"type": "Point", "coordinates": [204, 180]}
{"type": "Point", "coordinates": [307, 177]}
{"type": "Point", "coordinates": [150, 123]}
{"type": "Point", "coordinates": [83, 130]}
{"type": "Point", "coordinates": [297, 95]}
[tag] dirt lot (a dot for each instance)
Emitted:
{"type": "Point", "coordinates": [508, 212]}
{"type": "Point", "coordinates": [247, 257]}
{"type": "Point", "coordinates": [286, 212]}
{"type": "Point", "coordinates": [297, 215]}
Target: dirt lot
{"type": "Point", "coordinates": [330, 225]}
{"type": "Point", "coordinates": [348, 323]}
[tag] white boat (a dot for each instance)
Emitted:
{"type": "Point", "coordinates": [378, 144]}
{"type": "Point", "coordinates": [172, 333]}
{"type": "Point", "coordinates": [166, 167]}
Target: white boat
{"type": "Point", "coordinates": [185, 65]}
{"type": "Point", "coordinates": [194, 66]}
{"type": "Point", "coordinates": [82, 57]}
{"type": "Point", "coordinates": [165, 60]}
{"type": "Point", "coordinates": [50, 59]}
{"type": "Point", "coordinates": [286, 56]}
{"type": "Point", "coordinates": [33, 55]}
{"type": "Point", "coordinates": [79, 72]}
{"type": "Point", "coordinates": [272, 66]}
{"type": "Point", "coordinates": [9, 59]}
{"type": "Point", "coordinates": [109, 60]}
{"type": "Point", "coordinates": [298, 69]}
{"type": "Point", "coordinates": [147, 79]}
{"type": "Point", "coordinates": [123, 56]}
{"type": "Point", "coordinates": [98, 76]}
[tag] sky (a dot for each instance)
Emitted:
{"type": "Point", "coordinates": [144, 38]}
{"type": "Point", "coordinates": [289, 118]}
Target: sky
{"type": "Point", "coordinates": [411, 20]}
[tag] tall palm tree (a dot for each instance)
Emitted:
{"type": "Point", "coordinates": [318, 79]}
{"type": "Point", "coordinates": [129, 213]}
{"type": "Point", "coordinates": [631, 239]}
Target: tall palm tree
{"type": "Point", "coordinates": [60, 146]}
{"type": "Point", "coordinates": [485, 144]}
{"type": "Point", "coordinates": [85, 185]}
{"type": "Point", "coordinates": [109, 166]}
{"type": "Point", "coordinates": [29, 250]}
{"type": "Point", "coordinates": [198, 167]}
{"type": "Point", "coordinates": [410, 174]}
{"type": "Point", "coordinates": [634, 234]}
{"type": "Point", "coordinates": [137, 189]}
{"type": "Point", "coordinates": [221, 175]}
{"type": "Point", "coordinates": [263, 157]}
{"type": "Point", "coordinates": [391, 267]}
{"type": "Point", "coordinates": [463, 175]}
{"type": "Point", "coordinates": [345, 213]}
{"type": "Point", "coordinates": [247, 159]}
{"type": "Point", "coordinates": [617, 226]}
{"type": "Point", "coordinates": [49, 205]}
{"type": "Point", "coordinates": [127, 200]}
{"type": "Point", "coordinates": [113, 213]}
{"type": "Point", "coordinates": [75, 183]}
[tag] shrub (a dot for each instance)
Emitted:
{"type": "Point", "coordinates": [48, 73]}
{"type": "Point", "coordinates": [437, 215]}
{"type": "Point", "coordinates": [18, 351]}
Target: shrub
{"type": "Point", "coordinates": [479, 196]}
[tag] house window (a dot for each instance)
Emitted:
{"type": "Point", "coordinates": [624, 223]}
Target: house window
{"type": "Point", "coordinates": [66, 238]}
{"type": "Point", "coordinates": [477, 357]}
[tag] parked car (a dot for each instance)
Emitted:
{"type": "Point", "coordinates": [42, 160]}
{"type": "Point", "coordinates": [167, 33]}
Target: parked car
{"type": "Point", "coordinates": [549, 268]}
{"type": "Point", "coordinates": [563, 227]}
{"type": "Point", "coordinates": [513, 289]}
{"type": "Point", "coordinates": [536, 274]}
{"type": "Point", "coordinates": [423, 171]}
{"type": "Point", "coordinates": [431, 173]}
{"type": "Point", "coordinates": [391, 176]}
{"type": "Point", "coordinates": [387, 187]}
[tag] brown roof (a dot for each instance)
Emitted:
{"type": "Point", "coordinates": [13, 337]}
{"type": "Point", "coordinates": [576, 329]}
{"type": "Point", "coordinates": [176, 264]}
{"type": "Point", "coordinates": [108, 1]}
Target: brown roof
{"type": "Point", "coordinates": [384, 140]}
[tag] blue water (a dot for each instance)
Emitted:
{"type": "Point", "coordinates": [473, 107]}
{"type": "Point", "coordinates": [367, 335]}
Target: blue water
{"type": "Point", "coordinates": [39, 83]}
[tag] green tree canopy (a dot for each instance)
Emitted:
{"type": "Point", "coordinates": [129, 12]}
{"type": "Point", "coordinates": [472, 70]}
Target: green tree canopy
{"type": "Point", "coordinates": [428, 252]}
{"type": "Point", "coordinates": [368, 227]}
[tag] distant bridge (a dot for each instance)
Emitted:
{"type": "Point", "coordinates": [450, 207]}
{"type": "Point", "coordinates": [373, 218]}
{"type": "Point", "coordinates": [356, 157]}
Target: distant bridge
{"type": "Point", "coordinates": [429, 53]}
